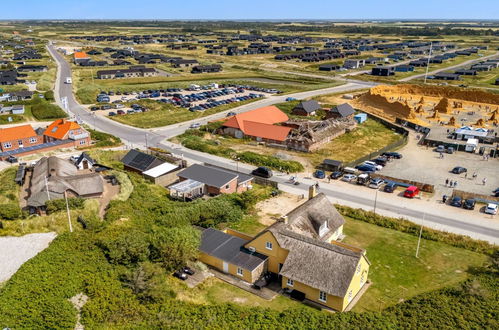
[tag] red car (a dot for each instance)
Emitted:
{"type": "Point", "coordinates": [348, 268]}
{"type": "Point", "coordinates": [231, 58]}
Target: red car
{"type": "Point", "coordinates": [121, 112]}
{"type": "Point", "coordinates": [411, 192]}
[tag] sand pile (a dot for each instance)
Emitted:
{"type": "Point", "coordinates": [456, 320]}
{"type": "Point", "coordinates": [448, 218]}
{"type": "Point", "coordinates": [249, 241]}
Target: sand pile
{"type": "Point", "coordinates": [443, 106]}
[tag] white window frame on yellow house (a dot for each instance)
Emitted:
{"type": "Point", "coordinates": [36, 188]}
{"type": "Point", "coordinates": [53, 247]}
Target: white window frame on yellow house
{"type": "Point", "coordinates": [322, 296]}
{"type": "Point", "coordinates": [359, 267]}
{"type": "Point", "coordinates": [268, 245]}
{"type": "Point", "coordinates": [240, 271]}
{"type": "Point", "coordinates": [350, 295]}
{"type": "Point", "coordinates": [290, 282]}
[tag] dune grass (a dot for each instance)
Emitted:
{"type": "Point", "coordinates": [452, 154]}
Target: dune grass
{"type": "Point", "coordinates": [396, 273]}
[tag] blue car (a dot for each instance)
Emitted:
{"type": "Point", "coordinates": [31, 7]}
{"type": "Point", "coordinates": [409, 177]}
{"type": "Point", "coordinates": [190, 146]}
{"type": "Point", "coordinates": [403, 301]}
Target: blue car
{"type": "Point", "coordinates": [319, 174]}
{"type": "Point", "coordinates": [365, 168]}
{"type": "Point", "coordinates": [290, 99]}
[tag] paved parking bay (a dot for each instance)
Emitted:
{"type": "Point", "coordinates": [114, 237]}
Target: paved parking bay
{"type": "Point", "coordinates": [425, 165]}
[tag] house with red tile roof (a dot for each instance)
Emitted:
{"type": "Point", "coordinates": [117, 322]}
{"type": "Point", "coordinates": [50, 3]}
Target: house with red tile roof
{"type": "Point", "coordinates": [80, 57]}
{"type": "Point", "coordinates": [23, 136]}
{"type": "Point", "coordinates": [259, 124]}
{"type": "Point", "coordinates": [63, 129]}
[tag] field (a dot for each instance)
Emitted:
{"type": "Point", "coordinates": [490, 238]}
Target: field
{"type": "Point", "coordinates": [396, 273]}
{"type": "Point", "coordinates": [161, 114]}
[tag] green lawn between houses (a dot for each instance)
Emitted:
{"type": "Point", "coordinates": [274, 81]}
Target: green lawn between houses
{"type": "Point", "coordinates": [396, 273]}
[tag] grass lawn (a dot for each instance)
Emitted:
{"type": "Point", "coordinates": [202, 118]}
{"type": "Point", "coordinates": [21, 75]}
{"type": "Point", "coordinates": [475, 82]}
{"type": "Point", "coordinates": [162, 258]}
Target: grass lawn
{"type": "Point", "coordinates": [369, 137]}
{"type": "Point", "coordinates": [287, 108]}
{"type": "Point", "coordinates": [9, 190]}
{"type": "Point", "coordinates": [396, 273]}
{"type": "Point", "coordinates": [214, 291]}
{"type": "Point", "coordinates": [161, 114]}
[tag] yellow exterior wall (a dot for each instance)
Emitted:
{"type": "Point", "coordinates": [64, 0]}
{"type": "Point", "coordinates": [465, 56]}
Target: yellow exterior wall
{"type": "Point", "coordinates": [336, 234]}
{"type": "Point", "coordinates": [276, 256]}
{"type": "Point", "coordinates": [333, 302]}
{"type": "Point", "coordinates": [248, 276]}
{"type": "Point", "coordinates": [356, 285]}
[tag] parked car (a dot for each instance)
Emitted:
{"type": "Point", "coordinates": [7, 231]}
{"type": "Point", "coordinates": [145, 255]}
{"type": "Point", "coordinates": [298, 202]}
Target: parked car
{"type": "Point", "coordinates": [366, 168]}
{"type": "Point", "coordinates": [450, 150]}
{"type": "Point", "coordinates": [491, 208]}
{"type": "Point", "coordinates": [469, 204]}
{"type": "Point", "coordinates": [459, 170]}
{"type": "Point", "coordinates": [456, 201]}
{"type": "Point", "coordinates": [373, 164]}
{"type": "Point", "coordinates": [263, 172]}
{"type": "Point", "coordinates": [112, 113]}
{"type": "Point", "coordinates": [390, 187]}
{"type": "Point", "coordinates": [380, 160]}
{"type": "Point", "coordinates": [336, 175]}
{"type": "Point", "coordinates": [319, 174]}
{"type": "Point", "coordinates": [392, 154]}
{"type": "Point", "coordinates": [11, 159]}
{"type": "Point", "coordinates": [440, 148]}
{"type": "Point", "coordinates": [195, 125]}
{"type": "Point", "coordinates": [121, 112]}
{"type": "Point", "coordinates": [411, 192]}
{"type": "Point", "coordinates": [349, 177]}
{"type": "Point", "coordinates": [94, 108]}
{"type": "Point", "coordinates": [288, 99]}
{"type": "Point", "coordinates": [230, 114]}
{"type": "Point", "coordinates": [362, 179]}
{"type": "Point", "coordinates": [180, 275]}
{"type": "Point", "coordinates": [375, 183]}
{"type": "Point", "coordinates": [188, 270]}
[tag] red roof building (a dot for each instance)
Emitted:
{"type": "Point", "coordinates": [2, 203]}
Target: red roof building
{"type": "Point", "coordinates": [259, 124]}
{"type": "Point", "coordinates": [62, 129]}
{"type": "Point", "coordinates": [23, 136]}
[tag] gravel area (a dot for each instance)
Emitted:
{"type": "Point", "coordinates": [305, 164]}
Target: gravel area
{"type": "Point", "coordinates": [17, 250]}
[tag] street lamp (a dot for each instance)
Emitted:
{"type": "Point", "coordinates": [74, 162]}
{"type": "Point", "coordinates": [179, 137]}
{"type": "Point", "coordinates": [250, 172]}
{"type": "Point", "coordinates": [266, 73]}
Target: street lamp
{"type": "Point", "coordinates": [375, 201]}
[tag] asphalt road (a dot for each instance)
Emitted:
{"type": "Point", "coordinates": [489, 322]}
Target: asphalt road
{"type": "Point", "coordinates": [487, 230]}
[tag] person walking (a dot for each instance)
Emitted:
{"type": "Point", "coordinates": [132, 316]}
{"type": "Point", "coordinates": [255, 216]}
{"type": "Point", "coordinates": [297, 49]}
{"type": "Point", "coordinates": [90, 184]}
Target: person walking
{"type": "Point", "coordinates": [484, 181]}
{"type": "Point", "coordinates": [444, 199]}
{"type": "Point", "coordinates": [455, 184]}
{"type": "Point", "coordinates": [474, 175]}
{"type": "Point", "coordinates": [446, 182]}
{"type": "Point", "coordinates": [466, 175]}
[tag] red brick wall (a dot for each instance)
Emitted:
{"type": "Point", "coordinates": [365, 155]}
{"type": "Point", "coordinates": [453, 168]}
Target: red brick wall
{"type": "Point", "coordinates": [25, 141]}
{"type": "Point", "coordinates": [72, 144]}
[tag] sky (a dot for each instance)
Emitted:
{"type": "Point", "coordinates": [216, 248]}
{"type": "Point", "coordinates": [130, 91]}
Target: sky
{"type": "Point", "coordinates": [249, 9]}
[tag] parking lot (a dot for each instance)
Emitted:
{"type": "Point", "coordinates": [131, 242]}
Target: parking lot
{"type": "Point", "coordinates": [195, 98]}
{"type": "Point", "coordinates": [425, 165]}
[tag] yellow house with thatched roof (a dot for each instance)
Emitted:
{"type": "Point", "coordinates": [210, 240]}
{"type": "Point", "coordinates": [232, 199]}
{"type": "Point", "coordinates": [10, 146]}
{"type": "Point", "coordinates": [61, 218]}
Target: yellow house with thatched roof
{"type": "Point", "coordinates": [301, 251]}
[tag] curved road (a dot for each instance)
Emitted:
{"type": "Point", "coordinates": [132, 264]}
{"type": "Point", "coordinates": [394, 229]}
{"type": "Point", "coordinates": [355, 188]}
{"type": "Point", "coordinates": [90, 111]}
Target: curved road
{"type": "Point", "coordinates": [349, 195]}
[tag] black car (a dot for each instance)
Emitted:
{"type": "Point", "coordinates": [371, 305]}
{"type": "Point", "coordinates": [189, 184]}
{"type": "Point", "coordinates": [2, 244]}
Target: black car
{"type": "Point", "coordinates": [180, 275]}
{"type": "Point", "coordinates": [336, 175]}
{"type": "Point", "coordinates": [390, 187]}
{"type": "Point", "coordinates": [392, 154]}
{"type": "Point", "coordinates": [380, 160]}
{"type": "Point", "coordinates": [188, 270]}
{"type": "Point", "coordinates": [459, 170]}
{"type": "Point", "coordinates": [496, 191]}
{"type": "Point", "coordinates": [456, 201]}
{"type": "Point", "coordinates": [469, 204]}
{"type": "Point", "coordinates": [263, 172]}
{"type": "Point", "coordinates": [11, 159]}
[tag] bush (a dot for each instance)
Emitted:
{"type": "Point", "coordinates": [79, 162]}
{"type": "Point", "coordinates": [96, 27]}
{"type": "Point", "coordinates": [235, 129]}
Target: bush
{"type": "Point", "coordinates": [44, 110]}
{"type": "Point", "coordinates": [102, 139]}
{"type": "Point", "coordinates": [10, 211]}
{"type": "Point", "coordinates": [55, 205]}
{"type": "Point", "coordinates": [126, 186]}
{"type": "Point", "coordinates": [193, 141]}
{"type": "Point", "coordinates": [49, 96]}
{"type": "Point", "coordinates": [406, 226]}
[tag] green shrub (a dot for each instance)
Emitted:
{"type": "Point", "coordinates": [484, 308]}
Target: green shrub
{"type": "Point", "coordinates": [55, 205]}
{"type": "Point", "coordinates": [43, 110]}
{"type": "Point", "coordinates": [126, 186]}
{"type": "Point", "coordinates": [49, 96]}
{"type": "Point", "coordinates": [10, 211]}
{"type": "Point", "coordinates": [102, 139]}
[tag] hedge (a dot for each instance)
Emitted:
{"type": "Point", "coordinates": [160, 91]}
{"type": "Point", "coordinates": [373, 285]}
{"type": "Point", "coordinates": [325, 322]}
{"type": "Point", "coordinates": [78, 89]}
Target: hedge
{"type": "Point", "coordinates": [55, 205]}
{"type": "Point", "coordinates": [195, 142]}
{"type": "Point", "coordinates": [406, 226]}
{"type": "Point", "coordinates": [44, 110]}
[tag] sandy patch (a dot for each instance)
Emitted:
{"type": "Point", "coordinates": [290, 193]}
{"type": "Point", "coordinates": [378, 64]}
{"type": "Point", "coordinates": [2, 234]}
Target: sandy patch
{"type": "Point", "coordinates": [270, 210]}
{"type": "Point", "coordinates": [15, 251]}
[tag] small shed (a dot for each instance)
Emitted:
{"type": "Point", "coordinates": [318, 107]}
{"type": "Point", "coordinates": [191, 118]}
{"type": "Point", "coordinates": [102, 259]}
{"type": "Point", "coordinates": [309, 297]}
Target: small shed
{"type": "Point", "coordinates": [332, 165]}
{"type": "Point", "coordinates": [360, 118]}
{"type": "Point", "coordinates": [306, 108]}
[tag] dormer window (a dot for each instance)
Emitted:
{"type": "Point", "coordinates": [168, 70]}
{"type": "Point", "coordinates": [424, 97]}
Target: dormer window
{"type": "Point", "coordinates": [323, 229]}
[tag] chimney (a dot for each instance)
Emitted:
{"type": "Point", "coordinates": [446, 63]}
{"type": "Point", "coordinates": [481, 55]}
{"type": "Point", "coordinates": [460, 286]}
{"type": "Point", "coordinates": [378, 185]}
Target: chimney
{"type": "Point", "coordinates": [284, 219]}
{"type": "Point", "coordinates": [312, 191]}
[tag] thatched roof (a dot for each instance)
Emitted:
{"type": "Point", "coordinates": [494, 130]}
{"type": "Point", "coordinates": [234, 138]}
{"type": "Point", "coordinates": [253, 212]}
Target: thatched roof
{"type": "Point", "coordinates": [307, 218]}
{"type": "Point", "coordinates": [311, 131]}
{"type": "Point", "coordinates": [324, 266]}
{"type": "Point", "coordinates": [57, 176]}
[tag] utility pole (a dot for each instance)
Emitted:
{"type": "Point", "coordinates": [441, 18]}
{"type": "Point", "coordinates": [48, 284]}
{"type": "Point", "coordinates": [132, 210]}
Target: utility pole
{"type": "Point", "coordinates": [420, 232]}
{"type": "Point", "coordinates": [375, 201]}
{"type": "Point", "coordinates": [47, 187]}
{"type": "Point", "coordinates": [69, 214]}
{"type": "Point", "coordinates": [146, 139]}
{"type": "Point", "coordinates": [428, 64]}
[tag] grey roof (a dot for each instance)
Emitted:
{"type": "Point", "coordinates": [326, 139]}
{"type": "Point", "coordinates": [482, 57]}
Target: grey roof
{"type": "Point", "coordinates": [140, 161]}
{"type": "Point", "coordinates": [308, 106]}
{"type": "Point", "coordinates": [57, 176]}
{"type": "Point", "coordinates": [210, 176]}
{"type": "Point", "coordinates": [229, 249]}
{"type": "Point", "coordinates": [307, 218]}
{"type": "Point", "coordinates": [241, 177]}
{"type": "Point", "coordinates": [83, 156]}
{"type": "Point", "coordinates": [344, 110]}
